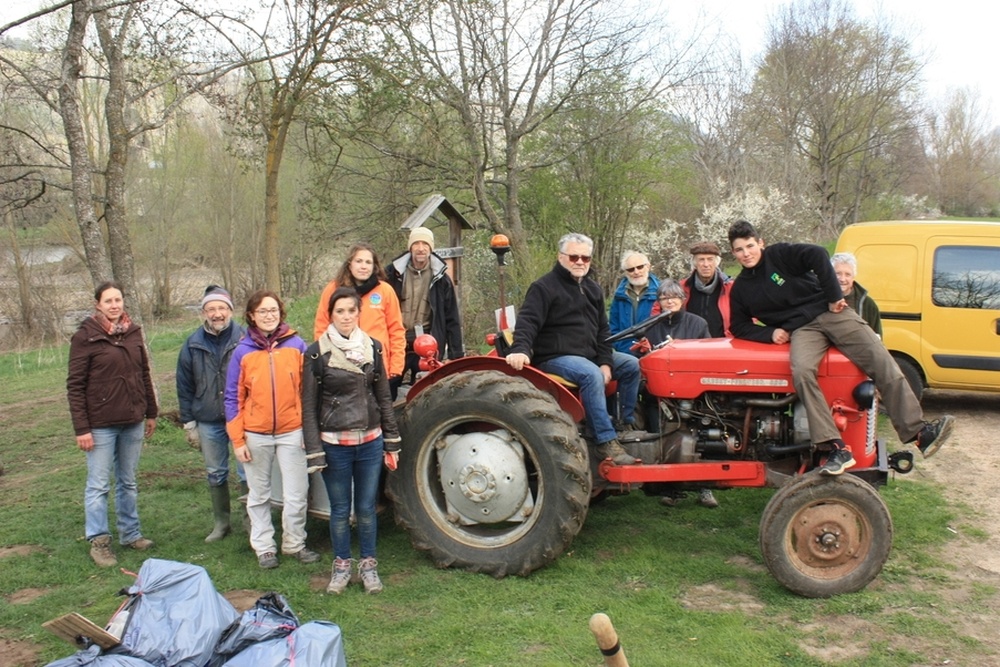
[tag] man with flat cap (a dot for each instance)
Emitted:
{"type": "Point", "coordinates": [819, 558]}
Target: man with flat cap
{"type": "Point", "coordinates": [708, 288]}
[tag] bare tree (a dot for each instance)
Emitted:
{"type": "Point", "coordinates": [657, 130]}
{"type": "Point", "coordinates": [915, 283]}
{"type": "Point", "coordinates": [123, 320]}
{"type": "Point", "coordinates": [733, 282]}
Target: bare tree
{"type": "Point", "coordinates": [834, 93]}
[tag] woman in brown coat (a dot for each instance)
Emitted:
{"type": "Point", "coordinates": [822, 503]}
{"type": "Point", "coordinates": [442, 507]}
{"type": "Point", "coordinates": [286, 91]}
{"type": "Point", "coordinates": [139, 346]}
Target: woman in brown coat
{"type": "Point", "coordinates": [113, 407]}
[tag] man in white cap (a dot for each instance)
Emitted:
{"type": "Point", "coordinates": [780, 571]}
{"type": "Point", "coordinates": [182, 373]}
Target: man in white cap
{"type": "Point", "coordinates": [201, 386]}
{"type": "Point", "coordinates": [427, 299]}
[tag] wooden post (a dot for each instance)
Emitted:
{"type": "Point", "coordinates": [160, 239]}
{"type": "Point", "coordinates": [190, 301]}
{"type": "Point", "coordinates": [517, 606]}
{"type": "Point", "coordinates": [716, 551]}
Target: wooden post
{"type": "Point", "coordinates": [607, 641]}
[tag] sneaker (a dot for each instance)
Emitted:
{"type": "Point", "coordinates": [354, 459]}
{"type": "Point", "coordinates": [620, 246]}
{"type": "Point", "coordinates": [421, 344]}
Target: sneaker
{"type": "Point", "coordinates": [268, 560]}
{"type": "Point", "coordinates": [612, 449]}
{"type": "Point", "coordinates": [101, 553]}
{"type": "Point", "coordinates": [707, 499]}
{"type": "Point", "coordinates": [304, 555]}
{"type": "Point", "coordinates": [141, 544]}
{"type": "Point", "coordinates": [369, 575]}
{"type": "Point", "coordinates": [837, 462]}
{"type": "Point", "coordinates": [340, 576]}
{"type": "Point", "coordinates": [668, 501]}
{"type": "Point", "coordinates": [934, 434]}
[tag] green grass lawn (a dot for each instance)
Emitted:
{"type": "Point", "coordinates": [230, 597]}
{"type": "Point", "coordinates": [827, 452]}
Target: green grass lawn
{"type": "Point", "coordinates": [684, 586]}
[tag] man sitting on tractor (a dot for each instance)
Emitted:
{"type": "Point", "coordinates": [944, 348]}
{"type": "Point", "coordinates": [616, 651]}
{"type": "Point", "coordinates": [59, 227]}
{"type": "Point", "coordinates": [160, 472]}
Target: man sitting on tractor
{"type": "Point", "coordinates": [792, 291]}
{"type": "Point", "coordinates": [562, 329]}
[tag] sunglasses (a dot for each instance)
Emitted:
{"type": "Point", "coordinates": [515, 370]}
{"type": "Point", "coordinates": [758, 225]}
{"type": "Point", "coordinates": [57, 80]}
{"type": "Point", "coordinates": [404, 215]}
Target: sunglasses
{"type": "Point", "coordinates": [577, 258]}
{"type": "Point", "coordinates": [635, 268]}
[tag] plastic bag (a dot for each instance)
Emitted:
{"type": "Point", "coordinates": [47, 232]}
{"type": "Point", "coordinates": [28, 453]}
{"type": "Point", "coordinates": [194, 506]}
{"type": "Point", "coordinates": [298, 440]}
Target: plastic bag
{"type": "Point", "coordinates": [316, 644]}
{"type": "Point", "coordinates": [271, 617]}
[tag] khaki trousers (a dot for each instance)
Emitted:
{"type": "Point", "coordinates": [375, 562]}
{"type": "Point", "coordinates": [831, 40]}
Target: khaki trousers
{"type": "Point", "coordinates": [855, 339]}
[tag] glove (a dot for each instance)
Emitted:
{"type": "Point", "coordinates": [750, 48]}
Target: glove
{"type": "Point", "coordinates": [315, 462]}
{"type": "Point", "coordinates": [391, 459]}
{"type": "Point", "coordinates": [641, 346]}
{"type": "Point", "coordinates": [192, 435]}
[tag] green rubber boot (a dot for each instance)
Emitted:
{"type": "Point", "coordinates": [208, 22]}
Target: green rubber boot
{"type": "Point", "coordinates": [220, 508]}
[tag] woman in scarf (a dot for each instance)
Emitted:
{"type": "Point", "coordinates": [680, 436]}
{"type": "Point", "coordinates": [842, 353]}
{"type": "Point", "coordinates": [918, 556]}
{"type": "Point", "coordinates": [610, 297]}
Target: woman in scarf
{"type": "Point", "coordinates": [113, 407]}
{"type": "Point", "coordinates": [264, 421]}
{"type": "Point", "coordinates": [381, 317]}
{"type": "Point", "coordinates": [348, 412]}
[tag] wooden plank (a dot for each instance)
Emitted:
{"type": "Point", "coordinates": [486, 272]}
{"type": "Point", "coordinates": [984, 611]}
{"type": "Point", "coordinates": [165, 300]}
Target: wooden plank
{"type": "Point", "coordinates": [75, 628]}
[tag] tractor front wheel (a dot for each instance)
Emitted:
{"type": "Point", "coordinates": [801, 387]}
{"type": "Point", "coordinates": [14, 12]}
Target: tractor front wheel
{"type": "Point", "coordinates": [493, 475]}
{"type": "Point", "coordinates": [823, 536]}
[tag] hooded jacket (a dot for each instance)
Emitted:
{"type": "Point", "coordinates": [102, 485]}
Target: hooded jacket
{"type": "Point", "coordinates": [560, 317]}
{"type": "Point", "coordinates": [623, 314]}
{"type": "Point", "coordinates": [264, 386]}
{"type": "Point", "coordinates": [446, 322]}
{"type": "Point", "coordinates": [109, 382]}
{"type": "Point", "coordinates": [790, 286]}
{"type": "Point", "coordinates": [201, 373]}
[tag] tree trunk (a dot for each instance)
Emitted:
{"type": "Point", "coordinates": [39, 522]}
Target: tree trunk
{"type": "Point", "coordinates": [94, 247]}
{"type": "Point", "coordinates": [272, 249]}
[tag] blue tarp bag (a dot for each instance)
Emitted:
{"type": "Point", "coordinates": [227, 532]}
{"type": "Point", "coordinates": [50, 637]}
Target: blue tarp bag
{"type": "Point", "coordinates": [92, 658]}
{"type": "Point", "coordinates": [316, 644]}
{"type": "Point", "coordinates": [270, 618]}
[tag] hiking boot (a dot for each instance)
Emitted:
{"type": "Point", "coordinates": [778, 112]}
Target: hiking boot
{"type": "Point", "coordinates": [307, 556]}
{"type": "Point", "coordinates": [101, 553]}
{"type": "Point", "coordinates": [934, 434]}
{"type": "Point", "coordinates": [340, 576]}
{"type": "Point", "coordinates": [837, 462]}
{"type": "Point", "coordinates": [624, 427]}
{"type": "Point", "coordinates": [141, 544]}
{"type": "Point", "coordinates": [369, 575]}
{"type": "Point", "coordinates": [268, 561]}
{"type": "Point", "coordinates": [612, 449]}
{"type": "Point", "coordinates": [707, 499]}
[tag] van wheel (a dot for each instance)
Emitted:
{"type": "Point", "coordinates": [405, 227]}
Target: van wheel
{"type": "Point", "coordinates": [912, 375]}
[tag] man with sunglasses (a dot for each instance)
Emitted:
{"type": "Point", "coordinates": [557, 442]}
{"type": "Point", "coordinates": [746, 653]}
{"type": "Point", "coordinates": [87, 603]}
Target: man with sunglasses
{"type": "Point", "coordinates": [562, 329]}
{"type": "Point", "coordinates": [634, 297]}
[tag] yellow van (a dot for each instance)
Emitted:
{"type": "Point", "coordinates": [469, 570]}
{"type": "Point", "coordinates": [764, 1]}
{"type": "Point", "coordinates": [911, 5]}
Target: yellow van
{"type": "Point", "coordinates": [937, 284]}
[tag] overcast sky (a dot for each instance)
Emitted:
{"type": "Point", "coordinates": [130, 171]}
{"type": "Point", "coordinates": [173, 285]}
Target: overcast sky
{"type": "Point", "coordinates": [958, 37]}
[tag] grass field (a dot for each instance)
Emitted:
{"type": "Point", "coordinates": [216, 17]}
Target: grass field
{"type": "Point", "coordinates": [684, 586]}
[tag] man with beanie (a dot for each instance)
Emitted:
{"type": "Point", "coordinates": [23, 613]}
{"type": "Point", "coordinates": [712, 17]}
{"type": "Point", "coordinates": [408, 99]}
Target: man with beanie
{"type": "Point", "coordinates": [427, 299]}
{"type": "Point", "coordinates": [201, 386]}
{"type": "Point", "coordinates": [708, 288]}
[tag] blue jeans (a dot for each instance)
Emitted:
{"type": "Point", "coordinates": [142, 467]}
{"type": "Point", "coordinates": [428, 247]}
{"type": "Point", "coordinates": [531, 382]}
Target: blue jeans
{"type": "Point", "coordinates": [586, 375]}
{"type": "Point", "coordinates": [362, 465]}
{"type": "Point", "coordinates": [215, 447]}
{"type": "Point", "coordinates": [116, 448]}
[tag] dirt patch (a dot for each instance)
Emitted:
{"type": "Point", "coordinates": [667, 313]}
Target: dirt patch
{"type": "Point", "coordinates": [834, 641]}
{"type": "Point", "coordinates": [26, 595]}
{"type": "Point", "coordinates": [242, 598]}
{"type": "Point", "coordinates": [710, 597]}
{"type": "Point", "coordinates": [20, 550]}
{"type": "Point", "coordinates": [18, 653]}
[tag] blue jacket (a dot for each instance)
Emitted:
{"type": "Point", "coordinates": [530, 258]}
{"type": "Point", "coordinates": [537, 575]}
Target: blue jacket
{"type": "Point", "coordinates": [201, 374]}
{"type": "Point", "coordinates": [623, 315]}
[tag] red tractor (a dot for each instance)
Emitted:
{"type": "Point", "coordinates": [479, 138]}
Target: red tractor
{"type": "Point", "coordinates": [497, 476]}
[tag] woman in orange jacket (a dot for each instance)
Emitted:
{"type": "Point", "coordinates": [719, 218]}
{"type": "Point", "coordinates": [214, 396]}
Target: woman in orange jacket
{"type": "Point", "coordinates": [381, 317]}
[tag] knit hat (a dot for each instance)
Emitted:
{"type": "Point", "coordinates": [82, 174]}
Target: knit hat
{"type": "Point", "coordinates": [705, 248]}
{"type": "Point", "coordinates": [421, 234]}
{"type": "Point", "coordinates": [216, 293]}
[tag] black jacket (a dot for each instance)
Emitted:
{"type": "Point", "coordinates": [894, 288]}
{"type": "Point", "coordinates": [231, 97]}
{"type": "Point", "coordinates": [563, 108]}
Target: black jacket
{"type": "Point", "coordinates": [334, 399]}
{"type": "Point", "coordinates": [791, 285]}
{"type": "Point", "coordinates": [446, 322]}
{"type": "Point", "coordinates": [678, 326]}
{"type": "Point", "coordinates": [561, 317]}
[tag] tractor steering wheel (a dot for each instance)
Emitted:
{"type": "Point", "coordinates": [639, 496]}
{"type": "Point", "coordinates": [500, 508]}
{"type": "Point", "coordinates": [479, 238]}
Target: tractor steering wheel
{"type": "Point", "coordinates": [637, 330]}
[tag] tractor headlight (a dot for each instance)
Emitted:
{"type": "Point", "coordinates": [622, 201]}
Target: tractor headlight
{"type": "Point", "coordinates": [864, 394]}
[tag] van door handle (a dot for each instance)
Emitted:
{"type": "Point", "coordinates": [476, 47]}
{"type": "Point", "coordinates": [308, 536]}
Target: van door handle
{"type": "Point", "coordinates": [996, 323]}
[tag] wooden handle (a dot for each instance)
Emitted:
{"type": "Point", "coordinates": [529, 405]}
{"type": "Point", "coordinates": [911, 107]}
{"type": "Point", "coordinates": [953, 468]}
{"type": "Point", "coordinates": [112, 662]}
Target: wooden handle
{"type": "Point", "coordinates": [607, 641]}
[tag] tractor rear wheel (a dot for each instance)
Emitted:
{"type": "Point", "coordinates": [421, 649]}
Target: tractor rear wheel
{"type": "Point", "coordinates": [493, 476]}
{"type": "Point", "coordinates": [823, 536]}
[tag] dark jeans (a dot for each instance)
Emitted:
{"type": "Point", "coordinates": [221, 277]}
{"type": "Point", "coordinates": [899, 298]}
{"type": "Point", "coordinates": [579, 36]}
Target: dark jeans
{"type": "Point", "coordinates": [360, 466]}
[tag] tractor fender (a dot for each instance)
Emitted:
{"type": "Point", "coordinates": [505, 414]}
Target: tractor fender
{"type": "Point", "coordinates": [542, 381]}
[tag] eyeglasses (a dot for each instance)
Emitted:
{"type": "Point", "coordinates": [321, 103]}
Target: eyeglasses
{"type": "Point", "coordinates": [671, 298]}
{"type": "Point", "coordinates": [633, 269]}
{"type": "Point", "coordinates": [267, 312]}
{"type": "Point", "coordinates": [577, 258]}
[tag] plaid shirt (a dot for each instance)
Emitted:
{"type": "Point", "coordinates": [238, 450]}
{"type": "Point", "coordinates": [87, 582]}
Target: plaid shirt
{"type": "Point", "coordinates": [350, 438]}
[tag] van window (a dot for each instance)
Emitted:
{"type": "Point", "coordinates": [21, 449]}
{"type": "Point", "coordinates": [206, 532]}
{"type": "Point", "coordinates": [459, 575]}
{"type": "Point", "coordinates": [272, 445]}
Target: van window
{"type": "Point", "coordinates": [966, 277]}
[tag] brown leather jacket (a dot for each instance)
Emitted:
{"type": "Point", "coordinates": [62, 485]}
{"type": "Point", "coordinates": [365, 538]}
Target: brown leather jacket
{"type": "Point", "coordinates": [109, 382]}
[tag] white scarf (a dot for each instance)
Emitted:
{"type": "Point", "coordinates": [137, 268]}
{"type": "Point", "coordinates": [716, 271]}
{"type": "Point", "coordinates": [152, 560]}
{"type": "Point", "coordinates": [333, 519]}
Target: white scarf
{"type": "Point", "coordinates": [355, 350]}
